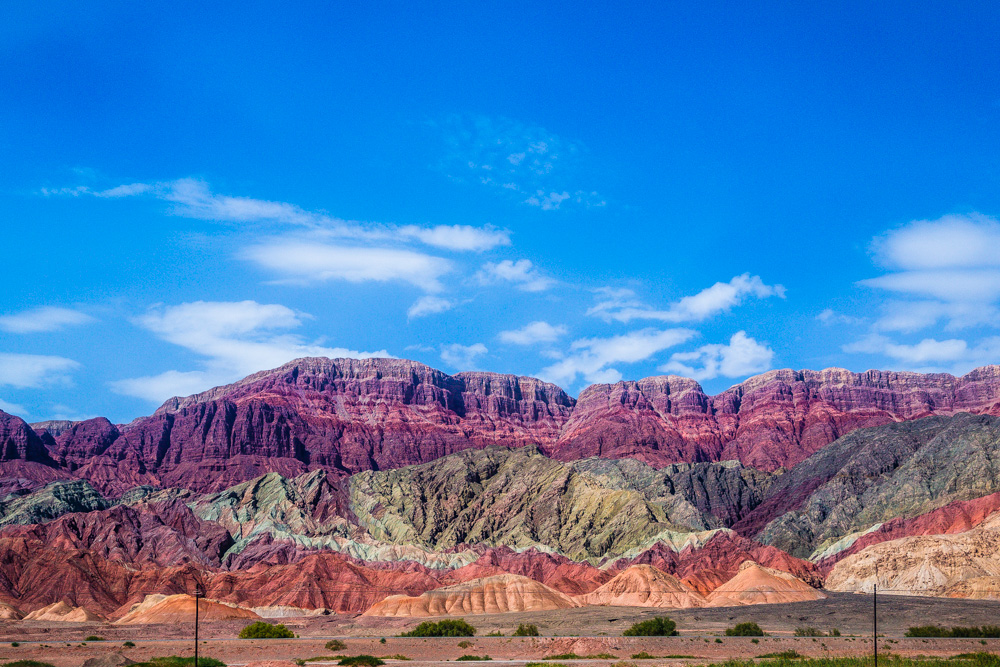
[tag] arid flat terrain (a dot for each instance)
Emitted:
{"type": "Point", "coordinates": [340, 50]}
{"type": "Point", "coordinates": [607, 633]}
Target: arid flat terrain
{"type": "Point", "coordinates": [584, 631]}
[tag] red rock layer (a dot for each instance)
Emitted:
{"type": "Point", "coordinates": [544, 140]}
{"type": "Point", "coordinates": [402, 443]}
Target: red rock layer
{"type": "Point", "coordinates": [348, 415]}
{"type": "Point", "coordinates": [719, 560]}
{"type": "Point", "coordinates": [956, 517]}
{"type": "Point", "coordinates": [770, 421]}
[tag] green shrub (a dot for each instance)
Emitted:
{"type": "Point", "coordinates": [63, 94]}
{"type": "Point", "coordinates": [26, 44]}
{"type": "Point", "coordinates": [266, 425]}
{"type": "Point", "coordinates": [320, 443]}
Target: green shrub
{"type": "Point", "coordinates": [642, 655]}
{"type": "Point", "coordinates": [661, 626]}
{"type": "Point", "coordinates": [264, 630]}
{"type": "Point", "coordinates": [495, 633]}
{"type": "Point", "coordinates": [335, 645]}
{"type": "Point", "coordinates": [809, 632]}
{"type": "Point", "coordinates": [128, 645]}
{"type": "Point", "coordinates": [474, 658]}
{"type": "Point", "coordinates": [464, 644]}
{"type": "Point", "coordinates": [446, 628]}
{"type": "Point", "coordinates": [362, 661]}
{"type": "Point", "coordinates": [678, 657]}
{"type": "Point", "coordinates": [718, 641]}
{"type": "Point", "coordinates": [928, 631]}
{"type": "Point", "coordinates": [381, 641]}
{"type": "Point", "coordinates": [754, 641]}
{"type": "Point", "coordinates": [93, 638]}
{"type": "Point", "coordinates": [526, 630]}
{"type": "Point", "coordinates": [397, 656]}
{"type": "Point", "coordinates": [15, 644]}
{"type": "Point", "coordinates": [783, 655]}
{"type": "Point", "coordinates": [27, 663]}
{"type": "Point", "coordinates": [177, 661]}
{"type": "Point", "coordinates": [748, 629]}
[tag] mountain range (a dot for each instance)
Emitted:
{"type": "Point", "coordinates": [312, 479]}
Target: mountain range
{"type": "Point", "coordinates": [333, 484]}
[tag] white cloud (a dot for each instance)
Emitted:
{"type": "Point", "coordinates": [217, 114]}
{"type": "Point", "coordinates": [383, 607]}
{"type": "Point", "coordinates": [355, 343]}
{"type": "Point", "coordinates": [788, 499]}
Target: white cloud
{"type": "Point", "coordinates": [592, 357]}
{"type": "Point", "coordinates": [547, 202]}
{"type": "Point", "coordinates": [46, 318]}
{"type": "Point", "coordinates": [927, 351]}
{"type": "Point", "coordinates": [910, 316]}
{"type": "Point", "coordinates": [522, 273]}
{"type": "Point", "coordinates": [303, 261]}
{"type": "Point", "coordinates": [949, 268]}
{"type": "Point", "coordinates": [622, 305]}
{"type": "Point", "coordinates": [462, 357]}
{"type": "Point", "coordinates": [194, 198]}
{"type": "Point", "coordinates": [743, 356]}
{"type": "Point", "coordinates": [532, 333]}
{"type": "Point", "coordinates": [829, 316]}
{"type": "Point", "coordinates": [34, 370]}
{"type": "Point", "coordinates": [950, 242]}
{"type": "Point", "coordinates": [236, 338]}
{"type": "Point", "coordinates": [458, 237]}
{"type": "Point", "coordinates": [13, 409]}
{"type": "Point", "coordinates": [428, 305]}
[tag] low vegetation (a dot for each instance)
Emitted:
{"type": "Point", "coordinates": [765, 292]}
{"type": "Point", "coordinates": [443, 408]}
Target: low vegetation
{"type": "Point", "coordinates": [361, 661]}
{"type": "Point", "coordinates": [963, 660]}
{"type": "Point", "coordinates": [642, 655]}
{"type": "Point", "coordinates": [264, 630]}
{"type": "Point", "coordinates": [990, 631]}
{"type": "Point", "coordinates": [128, 644]}
{"type": "Point", "coordinates": [661, 626]}
{"type": "Point", "coordinates": [93, 638]}
{"type": "Point", "coordinates": [526, 630]}
{"type": "Point", "coordinates": [177, 661]}
{"type": "Point", "coordinates": [397, 656]}
{"type": "Point", "coordinates": [464, 644]}
{"type": "Point", "coordinates": [335, 645]}
{"type": "Point", "coordinates": [574, 656]}
{"type": "Point", "coordinates": [446, 628]}
{"type": "Point", "coordinates": [783, 655]}
{"type": "Point", "coordinates": [473, 658]}
{"type": "Point", "coordinates": [27, 663]}
{"type": "Point", "coordinates": [813, 632]}
{"type": "Point", "coordinates": [748, 629]}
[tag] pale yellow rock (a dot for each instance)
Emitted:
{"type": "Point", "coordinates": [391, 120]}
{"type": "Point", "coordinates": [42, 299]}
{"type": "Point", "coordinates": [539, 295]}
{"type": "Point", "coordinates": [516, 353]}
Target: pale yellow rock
{"type": "Point", "coordinates": [180, 608]}
{"type": "Point", "coordinates": [755, 584]}
{"type": "Point", "coordinates": [60, 611]}
{"type": "Point", "coordinates": [644, 586]}
{"type": "Point", "coordinates": [489, 595]}
{"type": "Point", "coordinates": [957, 565]}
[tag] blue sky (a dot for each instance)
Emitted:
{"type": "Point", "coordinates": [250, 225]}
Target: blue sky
{"type": "Point", "coordinates": [193, 191]}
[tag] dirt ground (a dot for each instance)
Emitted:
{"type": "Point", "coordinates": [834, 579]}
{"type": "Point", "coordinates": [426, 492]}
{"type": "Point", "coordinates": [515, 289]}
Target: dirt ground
{"type": "Point", "coordinates": [584, 631]}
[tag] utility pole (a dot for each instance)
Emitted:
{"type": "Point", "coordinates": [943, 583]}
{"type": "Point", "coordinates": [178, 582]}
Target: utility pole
{"type": "Point", "coordinates": [198, 593]}
{"type": "Point", "coordinates": [874, 616]}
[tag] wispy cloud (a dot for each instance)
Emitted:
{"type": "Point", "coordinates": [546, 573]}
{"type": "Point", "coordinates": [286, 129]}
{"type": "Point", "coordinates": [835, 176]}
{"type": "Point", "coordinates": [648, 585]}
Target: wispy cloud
{"type": "Point", "coordinates": [526, 162]}
{"type": "Point", "coordinates": [236, 338]}
{"type": "Point", "coordinates": [194, 198]}
{"type": "Point", "coordinates": [829, 316]}
{"type": "Point", "coordinates": [741, 357]}
{"type": "Point", "coordinates": [301, 261]}
{"type": "Point", "coordinates": [45, 318]}
{"type": "Point", "coordinates": [462, 357]}
{"type": "Point", "coordinates": [428, 305]}
{"type": "Point", "coordinates": [952, 354]}
{"type": "Point", "coordinates": [533, 333]}
{"type": "Point", "coordinates": [593, 357]}
{"type": "Point", "coordinates": [522, 274]}
{"type": "Point", "coordinates": [13, 408]}
{"type": "Point", "coordinates": [34, 370]}
{"type": "Point", "coordinates": [945, 269]}
{"type": "Point", "coordinates": [623, 306]}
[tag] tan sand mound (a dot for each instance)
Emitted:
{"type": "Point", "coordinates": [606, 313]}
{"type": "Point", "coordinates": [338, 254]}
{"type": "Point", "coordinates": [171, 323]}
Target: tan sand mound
{"type": "Point", "coordinates": [755, 584]}
{"type": "Point", "coordinates": [180, 608]}
{"type": "Point", "coordinates": [644, 586]}
{"type": "Point", "coordinates": [60, 611]}
{"type": "Point", "coordinates": [489, 595]}
{"type": "Point", "coordinates": [9, 613]}
{"type": "Point", "coordinates": [925, 564]}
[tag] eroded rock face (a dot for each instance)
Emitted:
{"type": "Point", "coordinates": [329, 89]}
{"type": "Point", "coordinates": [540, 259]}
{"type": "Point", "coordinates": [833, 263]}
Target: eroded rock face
{"type": "Point", "coordinates": [18, 442]}
{"type": "Point", "coordinates": [872, 476]}
{"type": "Point", "coordinates": [770, 421]}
